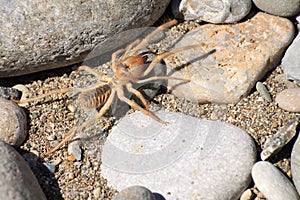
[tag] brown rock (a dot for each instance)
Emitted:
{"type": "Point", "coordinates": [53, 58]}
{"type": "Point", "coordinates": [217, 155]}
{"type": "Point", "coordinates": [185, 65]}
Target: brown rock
{"type": "Point", "coordinates": [289, 99]}
{"type": "Point", "coordinates": [13, 123]}
{"type": "Point", "coordinates": [245, 52]}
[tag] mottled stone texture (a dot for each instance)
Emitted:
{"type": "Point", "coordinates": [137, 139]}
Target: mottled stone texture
{"type": "Point", "coordinates": [39, 34]}
{"type": "Point", "coordinates": [244, 53]}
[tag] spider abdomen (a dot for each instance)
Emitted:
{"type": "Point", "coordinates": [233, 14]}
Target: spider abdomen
{"type": "Point", "coordinates": [95, 97]}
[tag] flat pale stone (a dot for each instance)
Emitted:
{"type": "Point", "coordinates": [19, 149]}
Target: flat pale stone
{"type": "Point", "coordinates": [187, 159]}
{"type": "Point", "coordinates": [16, 178]}
{"type": "Point", "coordinates": [272, 183]}
{"type": "Point", "coordinates": [295, 164]}
{"type": "Point", "coordinates": [289, 99]}
{"type": "Point", "coordinates": [284, 8]}
{"type": "Point", "coordinates": [38, 35]}
{"type": "Point", "coordinates": [213, 11]}
{"type": "Point", "coordinates": [290, 62]}
{"type": "Point", "coordinates": [245, 52]}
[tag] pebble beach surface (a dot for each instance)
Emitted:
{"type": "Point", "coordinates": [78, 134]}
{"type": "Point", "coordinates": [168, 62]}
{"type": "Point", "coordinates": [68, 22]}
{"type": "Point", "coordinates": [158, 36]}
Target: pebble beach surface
{"type": "Point", "coordinates": [80, 174]}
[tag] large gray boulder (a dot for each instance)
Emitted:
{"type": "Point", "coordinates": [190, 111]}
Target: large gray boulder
{"type": "Point", "coordinates": [39, 35]}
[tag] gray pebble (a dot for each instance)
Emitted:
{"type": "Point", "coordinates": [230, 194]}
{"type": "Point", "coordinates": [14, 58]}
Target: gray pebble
{"type": "Point", "coordinates": [295, 164]}
{"type": "Point", "coordinates": [16, 179]}
{"type": "Point", "coordinates": [284, 8]}
{"type": "Point", "coordinates": [52, 34]}
{"type": "Point", "coordinates": [272, 183]}
{"type": "Point", "coordinates": [49, 166]}
{"type": "Point", "coordinates": [135, 193]}
{"type": "Point", "coordinates": [180, 160]}
{"type": "Point", "coordinates": [288, 99]}
{"type": "Point", "coordinates": [290, 62]}
{"type": "Point", "coordinates": [13, 123]}
{"type": "Point", "coordinates": [213, 11]}
{"type": "Point", "coordinates": [263, 91]}
{"type": "Point", "coordinates": [74, 149]}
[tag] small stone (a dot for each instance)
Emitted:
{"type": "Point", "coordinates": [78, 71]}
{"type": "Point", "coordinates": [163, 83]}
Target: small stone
{"type": "Point", "coordinates": [141, 151]}
{"type": "Point", "coordinates": [230, 58]}
{"type": "Point", "coordinates": [135, 193]}
{"type": "Point", "coordinates": [72, 108]}
{"type": "Point", "coordinates": [247, 195]}
{"type": "Point", "coordinates": [16, 178]}
{"type": "Point", "coordinates": [288, 99]}
{"type": "Point", "coordinates": [50, 167]}
{"type": "Point", "coordinates": [272, 183]}
{"type": "Point", "coordinates": [13, 123]}
{"type": "Point", "coordinates": [263, 91]}
{"type": "Point", "coordinates": [97, 193]}
{"type": "Point", "coordinates": [295, 164]}
{"type": "Point", "coordinates": [229, 11]}
{"type": "Point", "coordinates": [284, 8]}
{"type": "Point", "coordinates": [74, 149]}
{"type": "Point", "coordinates": [25, 93]}
{"type": "Point", "coordinates": [280, 139]}
{"type": "Point", "coordinates": [8, 93]}
{"type": "Point", "coordinates": [290, 62]}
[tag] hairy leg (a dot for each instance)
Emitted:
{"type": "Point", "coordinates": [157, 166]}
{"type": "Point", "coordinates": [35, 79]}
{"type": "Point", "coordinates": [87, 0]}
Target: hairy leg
{"type": "Point", "coordinates": [138, 94]}
{"type": "Point", "coordinates": [159, 57]}
{"type": "Point", "coordinates": [145, 41]}
{"type": "Point", "coordinates": [101, 77]}
{"type": "Point", "coordinates": [133, 104]}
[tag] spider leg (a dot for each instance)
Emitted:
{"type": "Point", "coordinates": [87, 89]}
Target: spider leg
{"type": "Point", "coordinates": [129, 47]}
{"type": "Point", "coordinates": [159, 57]}
{"type": "Point", "coordinates": [56, 91]}
{"type": "Point", "coordinates": [101, 77]}
{"type": "Point", "coordinates": [162, 78]}
{"type": "Point", "coordinates": [85, 124]}
{"type": "Point", "coordinates": [114, 59]}
{"type": "Point", "coordinates": [145, 41]}
{"type": "Point", "coordinates": [138, 94]}
{"type": "Point", "coordinates": [133, 104]}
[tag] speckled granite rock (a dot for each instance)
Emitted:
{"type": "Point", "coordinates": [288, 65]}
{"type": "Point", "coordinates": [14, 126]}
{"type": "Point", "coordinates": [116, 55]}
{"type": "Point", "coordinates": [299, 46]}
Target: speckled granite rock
{"type": "Point", "coordinates": [272, 183]}
{"type": "Point", "coordinates": [284, 8]}
{"type": "Point", "coordinates": [187, 159]}
{"type": "Point", "coordinates": [39, 35]}
{"type": "Point", "coordinates": [16, 179]}
{"type": "Point", "coordinates": [214, 11]}
{"type": "Point", "coordinates": [245, 52]}
{"type": "Point", "coordinates": [290, 62]}
{"type": "Point", "coordinates": [13, 123]}
{"type": "Point", "coordinates": [288, 99]}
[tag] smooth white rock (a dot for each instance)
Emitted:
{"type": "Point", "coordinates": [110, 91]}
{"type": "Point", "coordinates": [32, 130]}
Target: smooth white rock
{"type": "Point", "coordinates": [291, 62]}
{"type": "Point", "coordinates": [189, 158]}
{"type": "Point", "coordinates": [272, 183]}
{"type": "Point", "coordinates": [295, 164]}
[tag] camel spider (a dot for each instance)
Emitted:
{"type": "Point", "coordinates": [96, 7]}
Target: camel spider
{"type": "Point", "coordinates": [129, 68]}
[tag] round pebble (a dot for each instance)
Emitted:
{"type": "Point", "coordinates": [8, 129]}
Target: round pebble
{"type": "Point", "coordinates": [288, 99]}
{"type": "Point", "coordinates": [13, 123]}
{"type": "Point", "coordinates": [263, 91]}
{"type": "Point", "coordinates": [186, 154]}
{"type": "Point", "coordinates": [135, 193]}
{"type": "Point", "coordinates": [272, 183]}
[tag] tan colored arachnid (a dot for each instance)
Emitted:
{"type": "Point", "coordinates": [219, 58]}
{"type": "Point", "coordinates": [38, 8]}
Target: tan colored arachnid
{"type": "Point", "coordinates": [129, 68]}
